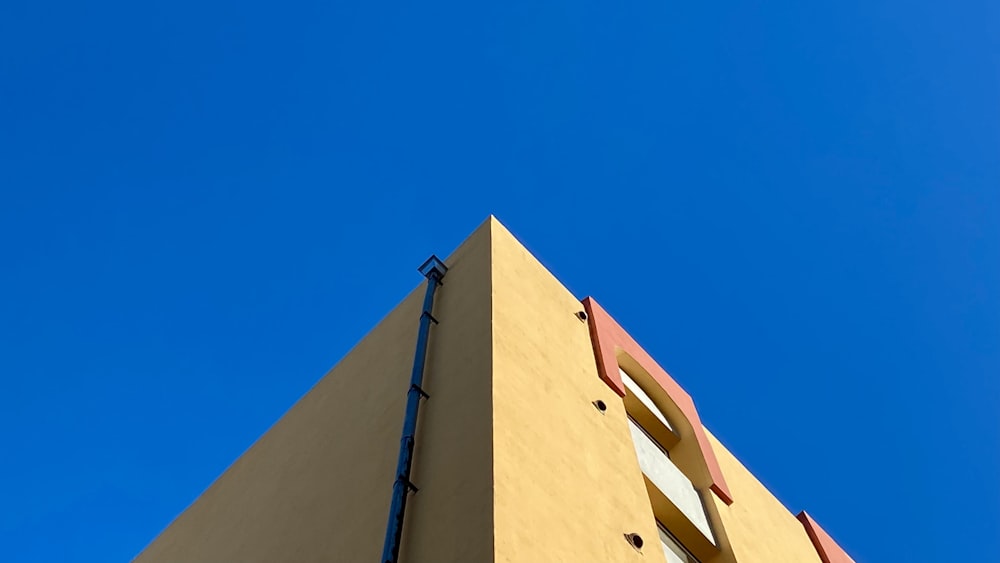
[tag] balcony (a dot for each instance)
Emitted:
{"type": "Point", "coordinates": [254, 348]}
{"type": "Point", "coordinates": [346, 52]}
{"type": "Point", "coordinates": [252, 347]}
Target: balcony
{"type": "Point", "coordinates": [682, 500]}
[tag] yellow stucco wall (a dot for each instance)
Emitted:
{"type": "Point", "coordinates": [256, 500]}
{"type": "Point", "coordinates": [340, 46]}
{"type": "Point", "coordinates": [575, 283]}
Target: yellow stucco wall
{"type": "Point", "coordinates": [758, 527]}
{"type": "Point", "coordinates": [513, 461]}
{"type": "Point", "coordinates": [567, 481]}
{"type": "Point", "coordinates": [317, 485]}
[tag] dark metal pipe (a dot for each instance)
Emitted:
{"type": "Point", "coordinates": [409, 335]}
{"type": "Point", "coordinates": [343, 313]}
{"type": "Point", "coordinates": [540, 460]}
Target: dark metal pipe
{"type": "Point", "coordinates": [434, 269]}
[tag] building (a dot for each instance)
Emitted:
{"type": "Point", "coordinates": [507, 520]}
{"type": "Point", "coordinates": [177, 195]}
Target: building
{"type": "Point", "coordinates": [548, 435]}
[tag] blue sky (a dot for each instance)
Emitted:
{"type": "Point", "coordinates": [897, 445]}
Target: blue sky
{"type": "Point", "coordinates": [795, 207]}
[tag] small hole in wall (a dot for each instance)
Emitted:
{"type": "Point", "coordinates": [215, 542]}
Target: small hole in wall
{"type": "Point", "coordinates": [635, 540]}
{"type": "Point", "coordinates": [600, 405]}
{"type": "Point", "coordinates": [582, 315]}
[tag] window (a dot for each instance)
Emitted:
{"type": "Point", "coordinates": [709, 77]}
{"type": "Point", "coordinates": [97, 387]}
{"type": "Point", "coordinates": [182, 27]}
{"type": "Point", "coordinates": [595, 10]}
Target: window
{"type": "Point", "coordinates": [675, 552]}
{"type": "Point", "coordinates": [635, 424]}
{"type": "Point", "coordinates": [644, 398]}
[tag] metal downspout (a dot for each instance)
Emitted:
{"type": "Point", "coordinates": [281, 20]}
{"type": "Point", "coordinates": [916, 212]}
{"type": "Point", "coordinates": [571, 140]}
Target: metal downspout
{"type": "Point", "coordinates": [433, 269]}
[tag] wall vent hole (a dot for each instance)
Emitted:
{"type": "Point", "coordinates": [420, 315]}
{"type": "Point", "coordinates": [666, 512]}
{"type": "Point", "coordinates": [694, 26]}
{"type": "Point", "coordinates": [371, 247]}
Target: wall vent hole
{"type": "Point", "coordinates": [635, 540]}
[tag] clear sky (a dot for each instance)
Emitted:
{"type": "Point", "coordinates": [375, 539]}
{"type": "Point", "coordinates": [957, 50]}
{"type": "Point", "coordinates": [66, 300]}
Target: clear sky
{"type": "Point", "coordinates": [794, 206]}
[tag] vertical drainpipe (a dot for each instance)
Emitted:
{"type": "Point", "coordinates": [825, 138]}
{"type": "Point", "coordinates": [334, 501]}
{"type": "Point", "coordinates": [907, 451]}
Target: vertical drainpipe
{"type": "Point", "coordinates": [433, 269]}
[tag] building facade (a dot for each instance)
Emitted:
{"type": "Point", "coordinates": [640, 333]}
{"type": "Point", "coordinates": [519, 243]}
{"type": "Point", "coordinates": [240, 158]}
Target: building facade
{"type": "Point", "coordinates": [547, 435]}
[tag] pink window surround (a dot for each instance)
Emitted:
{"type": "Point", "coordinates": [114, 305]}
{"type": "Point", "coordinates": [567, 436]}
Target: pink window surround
{"type": "Point", "coordinates": [608, 337]}
{"type": "Point", "coordinates": [828, 549]}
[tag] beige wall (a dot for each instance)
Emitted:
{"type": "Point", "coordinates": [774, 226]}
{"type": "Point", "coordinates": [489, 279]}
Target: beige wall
{"type": "Point", "coordinates": [568, 484]}
{"type": "Point", "coordinates": [513, 461]}
{"type": "Point", "coordinates": [758, 527]}
{"type": "Point", "coordinates": [317, 485]}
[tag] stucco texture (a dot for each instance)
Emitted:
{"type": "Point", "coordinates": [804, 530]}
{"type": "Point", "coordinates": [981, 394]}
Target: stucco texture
{"type": "Point", "coordinates": [317, 485]}
{"type": "Point", "coordinates": [513, 461]}
{"type": "Point", "coordinates": [759, 529]}
{"type": "Point", "coordinates": [567, 481]}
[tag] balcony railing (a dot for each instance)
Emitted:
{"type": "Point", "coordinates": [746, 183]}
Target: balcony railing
{"type": "Point", "coordinates": [670, 481]}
